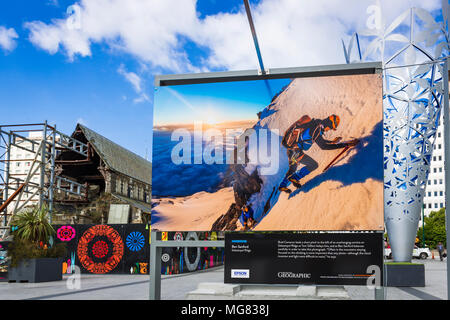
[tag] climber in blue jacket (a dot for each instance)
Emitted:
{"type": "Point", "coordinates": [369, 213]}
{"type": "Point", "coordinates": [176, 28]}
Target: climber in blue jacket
{"type": "Point", "coordinates": [299, 138]}
{"type": "Point", "coordinates": [246, 217]}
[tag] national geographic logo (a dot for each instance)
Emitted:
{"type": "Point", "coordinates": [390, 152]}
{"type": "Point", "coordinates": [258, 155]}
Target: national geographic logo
{"type": "Point", "coordinates": [293, 275]}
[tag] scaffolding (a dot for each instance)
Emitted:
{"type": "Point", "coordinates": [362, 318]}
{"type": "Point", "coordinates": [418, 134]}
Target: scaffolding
{"type": "Point", "coordinates": [39, 185]}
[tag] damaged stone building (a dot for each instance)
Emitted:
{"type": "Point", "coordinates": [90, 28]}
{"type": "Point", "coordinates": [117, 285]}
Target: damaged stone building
{"type": "Point", "coordinates": [117, 182]}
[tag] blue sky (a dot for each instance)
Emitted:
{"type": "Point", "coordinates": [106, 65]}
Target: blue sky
{"type": "Point", "coordinates": [36, 86]}
{"type": "Point", "coordinates": [216, 102]}
{"type": "Point", "coordinates": [99, 70]}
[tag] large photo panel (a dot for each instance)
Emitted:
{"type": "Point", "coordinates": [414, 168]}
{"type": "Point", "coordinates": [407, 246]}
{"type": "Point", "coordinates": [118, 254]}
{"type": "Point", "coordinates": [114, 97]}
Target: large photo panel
{"type": "Point", "coordinates": [269, 155]}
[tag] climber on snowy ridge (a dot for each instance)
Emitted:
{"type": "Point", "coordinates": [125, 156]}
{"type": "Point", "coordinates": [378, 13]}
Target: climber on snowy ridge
{"type": "Point", "coordinates": [299, 138]}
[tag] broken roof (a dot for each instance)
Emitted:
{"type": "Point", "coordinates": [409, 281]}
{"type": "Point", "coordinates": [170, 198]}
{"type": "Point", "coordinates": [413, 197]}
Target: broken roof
{"type": "Point", "coordinates": [144, 207]}
{"type": "Point", "coordinates": [117, 158]}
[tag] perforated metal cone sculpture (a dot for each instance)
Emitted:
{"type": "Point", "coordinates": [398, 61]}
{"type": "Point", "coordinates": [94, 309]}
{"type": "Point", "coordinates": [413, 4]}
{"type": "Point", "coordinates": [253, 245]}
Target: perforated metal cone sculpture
{"type": "Point", "coordinates": [414, 69]}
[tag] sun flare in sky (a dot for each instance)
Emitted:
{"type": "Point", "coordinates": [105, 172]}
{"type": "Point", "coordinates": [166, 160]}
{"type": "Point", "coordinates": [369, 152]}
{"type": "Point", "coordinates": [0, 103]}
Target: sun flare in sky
{"type": "Point", "coordinates": [211, 116]}
{"type": "Point", "coordinates": [213, 103]}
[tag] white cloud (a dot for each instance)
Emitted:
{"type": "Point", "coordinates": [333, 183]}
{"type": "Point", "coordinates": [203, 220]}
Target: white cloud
{"type": "Point", "coordinates": [142, 98]}
{"type": "Point", "coordinates": [136, 82]}
{"type": "Point", "coordinates": [51, 37]}
{"type": "Point", "coordinates": [7, 37]}
{"type": "Point", "coordinates": [290, 32]}
{"type": "Point", "coordinates": [146, 29]}
{"type": "Point", "coordinates": [54, 3]}
{"type": "Point", "coordinates": [131, 77]}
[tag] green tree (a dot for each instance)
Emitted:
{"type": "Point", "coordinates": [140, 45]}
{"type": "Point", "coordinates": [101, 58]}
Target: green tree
{"type": "Point", "coordinates": [31, 238]}
{"type": "Point", "coordinates": [434, 229]}
{"type": "Point", "coordinates": [33, 225]}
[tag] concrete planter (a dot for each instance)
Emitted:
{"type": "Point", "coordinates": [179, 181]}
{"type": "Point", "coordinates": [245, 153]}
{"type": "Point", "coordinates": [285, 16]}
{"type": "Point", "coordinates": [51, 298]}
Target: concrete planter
{"type": "Point", "coordinates": [405, 275]}
{"type": "Point", "coordinates": [37, 270]}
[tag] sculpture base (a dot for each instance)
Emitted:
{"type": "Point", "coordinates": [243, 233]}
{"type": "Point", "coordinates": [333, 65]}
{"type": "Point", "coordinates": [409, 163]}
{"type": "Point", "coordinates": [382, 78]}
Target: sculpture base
{"type": "Point", "coordinates": [221, 291]}
{"type": "Point", "coordinates": [404, 275]}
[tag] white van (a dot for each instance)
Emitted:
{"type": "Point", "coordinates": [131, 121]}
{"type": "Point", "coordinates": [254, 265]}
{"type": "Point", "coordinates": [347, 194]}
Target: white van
{"type": "Point", "coordinates": [419, 253]}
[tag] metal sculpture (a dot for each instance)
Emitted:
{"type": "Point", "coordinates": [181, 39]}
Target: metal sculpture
{"type": "Point", "coordinates": [414, 68]}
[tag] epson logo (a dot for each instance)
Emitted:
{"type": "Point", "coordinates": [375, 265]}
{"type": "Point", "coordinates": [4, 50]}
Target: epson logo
{"type": "Point", "coordinates": [237, 273]}
{"type": "Point", "coordinates": [294, 275]}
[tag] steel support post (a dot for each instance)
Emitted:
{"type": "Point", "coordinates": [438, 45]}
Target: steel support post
{"type": "Point", "coordinates": [7, 168]}
{"type": "Point", "coordinates": [52, 175]}
{"type": "Point", "coordinates": [155, 258]}
{"type": "Point", "coordinates": [447, 166]}
{"type": "Point", "coordinates": [380, 292]}
{"type": "Point", "coordinates": [155, 268]}
{"type": "Point", "coordinates": [43, 163]}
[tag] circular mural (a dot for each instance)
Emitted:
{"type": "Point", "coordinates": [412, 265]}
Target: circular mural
{"type": "Point", "coordinates": [165, 257]}
{"type": "Point", "coordinates": [192, 254]}
{"type": "Point", "coordinates": [100, 249]}
{"type": "Point", "coordinates": [65, 233]}
{"type": "Point", "coordinates": [135, 241]}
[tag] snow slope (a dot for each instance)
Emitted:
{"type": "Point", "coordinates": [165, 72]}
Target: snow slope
{"type": "Point", "coordinates": [350, 194]}
{"type": "Point", "coordinates": [193, 213]}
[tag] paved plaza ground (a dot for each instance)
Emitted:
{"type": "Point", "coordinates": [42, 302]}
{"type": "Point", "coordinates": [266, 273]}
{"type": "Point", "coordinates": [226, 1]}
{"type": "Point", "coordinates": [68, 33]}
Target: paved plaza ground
{"type": "Point", "coordinates": [175, 287]}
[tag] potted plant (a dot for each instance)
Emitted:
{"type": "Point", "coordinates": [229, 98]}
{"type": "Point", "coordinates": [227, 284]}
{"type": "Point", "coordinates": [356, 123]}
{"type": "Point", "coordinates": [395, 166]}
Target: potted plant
{"type": "Point", "coordinates": [33, 256]}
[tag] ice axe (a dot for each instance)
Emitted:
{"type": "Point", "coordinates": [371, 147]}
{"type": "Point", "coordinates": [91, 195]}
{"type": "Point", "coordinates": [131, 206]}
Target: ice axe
{"type": "Point", "coordinates": [354, 143]}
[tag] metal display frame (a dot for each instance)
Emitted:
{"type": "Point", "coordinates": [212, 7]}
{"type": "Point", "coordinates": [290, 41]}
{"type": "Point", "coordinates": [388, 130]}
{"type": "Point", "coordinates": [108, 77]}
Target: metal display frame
{"type": "Point", "coordinates": [156, 245]}
{"type": "Point", "coordinates": [447, 164]}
